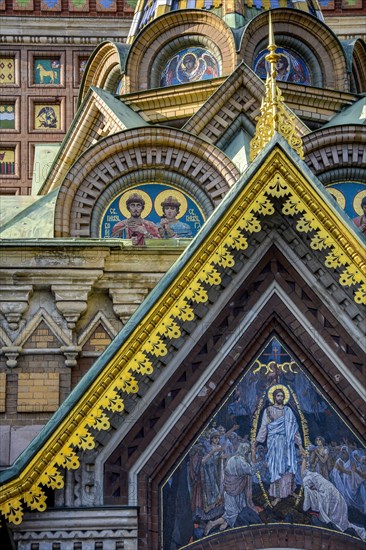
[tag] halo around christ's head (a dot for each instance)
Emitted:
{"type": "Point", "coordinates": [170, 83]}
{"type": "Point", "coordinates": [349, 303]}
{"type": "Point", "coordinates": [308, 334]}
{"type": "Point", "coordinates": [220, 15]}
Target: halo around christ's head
{"type": "Point", "coordinates": [285, 391]}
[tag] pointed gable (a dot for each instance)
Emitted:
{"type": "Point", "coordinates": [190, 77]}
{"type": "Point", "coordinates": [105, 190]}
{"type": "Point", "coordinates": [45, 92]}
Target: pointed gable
{"type": "Point", "coordinates": [276, 204]}
{"type": "Point", "coordinates": [42, 337]}
{"type": "Point", "coordinates": [235, 103]}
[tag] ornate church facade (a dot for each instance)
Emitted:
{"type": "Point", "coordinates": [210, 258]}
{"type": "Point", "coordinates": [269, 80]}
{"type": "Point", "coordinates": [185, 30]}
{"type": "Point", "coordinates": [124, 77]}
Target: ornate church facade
{"type": "Point", "coordinates": [182, 302]}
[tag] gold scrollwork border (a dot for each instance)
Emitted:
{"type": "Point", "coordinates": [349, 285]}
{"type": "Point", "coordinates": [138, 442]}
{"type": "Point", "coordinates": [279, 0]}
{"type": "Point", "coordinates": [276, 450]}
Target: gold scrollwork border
{"type": "Point", "coordinates": [277, 178]}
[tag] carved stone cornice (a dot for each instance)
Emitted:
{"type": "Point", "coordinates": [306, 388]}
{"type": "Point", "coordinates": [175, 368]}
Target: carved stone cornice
{"type": "Point", "coordinates": [49, 30]}
{"type": "Point", "coordinates": [14, 302]}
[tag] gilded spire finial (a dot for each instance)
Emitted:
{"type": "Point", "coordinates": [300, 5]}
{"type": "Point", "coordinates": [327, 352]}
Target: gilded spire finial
{"type": "Point", "coordinates": [274, 116]}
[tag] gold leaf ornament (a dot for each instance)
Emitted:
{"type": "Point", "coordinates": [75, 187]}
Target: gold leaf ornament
{"type": "Point", "coordinates": [51, 477]}
{"type": "Point", "coordinates": [35, 499]}
{"type": "Point", "coordinates": [196, 293]}
{"type": "Point", "coordinates": [360, 295]}
{"type": "Point", "coordinates": [237, 240]}
{"type": "Point", "coordinates": [278, 187]}
{"type": "Point", "coordinates": [13, 511]}
{"type": "Point", "coordinates": [67, 458]}
{"type": "Point", "coordinates": [127, 383]}
{"type": "Point", "coordinates": [335, 258]}
{"type": "Point", "coordinates": [350, 276]}
{"type": "Point", "coordinates": [251, 223]}
{"type": "Point", "coordinates": [210, 275]}
{"type": "Point", "coordinates": [155, 346]}
{"type": "Point", "coordinates": [292, 206]}
{"type": "Point", "coordinates": [263, 206]}
{"type": "Point", "coordinates": [83, 439]}
{"type": "Point", "coordinates": [98, 419]}
{"type": "Point", "coordinates": [169, 328]}
{"type": "Point", "coordinates": [112, 401]}
{"type": "Point", "coordinates": [182, 310]}
{"type": "Point", "coordinates": [321, 240]}
{"type": "Point", "coordinates": [141, 363]}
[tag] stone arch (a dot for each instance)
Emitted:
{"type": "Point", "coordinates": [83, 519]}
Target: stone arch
{"type": "Point", "coordinates": [104, 68]}
{"type": "Point", "coordinates": [261, 537]}
{"type": "Point", "coordinates": [166, 35]}
{"type": "Point", "coordinates": [122, 155]}
{"type": "Point", "coordinates": [358, 75]}
{"type": "Point", "coordinates": [336, 153]}
{"type": "Point", "coordinates": [317, 45]}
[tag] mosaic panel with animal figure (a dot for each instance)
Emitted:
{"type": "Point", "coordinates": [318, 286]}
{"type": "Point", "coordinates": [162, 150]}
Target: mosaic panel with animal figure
{"type": "Point", "coordinates": [152, 211]}
{"type": "Point", "coordinates": [47, 71]}
{"type": "Point", "coordinates": [276, 451]}
{"type": "Point", "coordinates": [47, 116]}
{"type": "Point", "coordinates": [190, 65]}
{"type": "Point", "coordinates": [290, 67]}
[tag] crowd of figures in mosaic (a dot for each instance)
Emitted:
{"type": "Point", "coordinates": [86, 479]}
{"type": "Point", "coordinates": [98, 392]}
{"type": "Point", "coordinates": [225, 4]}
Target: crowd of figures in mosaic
{"type": "Point", "coordinates": [151, 211]}
{"type": "Point", "coordinates": [276, 451]}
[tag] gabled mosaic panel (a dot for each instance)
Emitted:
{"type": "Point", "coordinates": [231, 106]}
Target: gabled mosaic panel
{"type": "Point", "coordinates": [25, 5]}
{"type": "Point", "coordinates": [275, 452]}
{"type": "Point", "coordinates": [352, 4]}
{"type": "Point", "coordinates": [327, 4]}
{"type": "Point", "coordinates": [152, 211]}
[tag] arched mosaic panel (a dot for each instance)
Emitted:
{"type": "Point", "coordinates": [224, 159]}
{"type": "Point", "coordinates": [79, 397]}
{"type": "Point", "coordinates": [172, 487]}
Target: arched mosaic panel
{"type": "Point", "coordinates": [275, 452]}
{"type": "Point", "coordinates": [190, 65]}
{"type": "Point", "coordinates": [351, 197]}
{"type": "Point", "coordinates": [151, 211]}
{"type": "Point", "coordinates": [290, 67]}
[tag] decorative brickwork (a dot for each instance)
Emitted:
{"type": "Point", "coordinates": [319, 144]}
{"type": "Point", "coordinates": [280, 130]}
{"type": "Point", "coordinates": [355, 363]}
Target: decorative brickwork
{"type": "Point", "coordinates": [282, 536]}
{"type": "Point", "coordinates": [38, 391]}
{"type": "Point", "coordinates": [42, 338]}
{"type": "Point", "coordinates": [327, 61]}
{"type": "Point", "coordinates": [97, 341]}
{"type": "Point", "coordinates": [2, 391]}
{"type": "Point", "coordinates": [69, 8]}
{"type": "Point", "coordinates": [157, 43]}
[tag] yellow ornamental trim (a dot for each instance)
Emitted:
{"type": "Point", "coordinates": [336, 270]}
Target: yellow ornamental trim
{"type": "Point", "coordinates": [274, 116]}
{"type": "Point", "coordinates": [278, 179]}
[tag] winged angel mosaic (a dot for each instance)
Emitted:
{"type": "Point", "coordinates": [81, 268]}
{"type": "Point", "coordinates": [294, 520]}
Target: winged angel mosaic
{"type": "Point", "coordinates": [276, 451]}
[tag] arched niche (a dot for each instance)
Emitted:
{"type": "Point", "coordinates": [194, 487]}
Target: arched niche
{"type": "Point", "coordinates": [104, 68]}
{"type": "Point", "coordinates": [169, 34]}
{"type": "Point", "coordinates": [136, 156]}
{"type": "Point", "coordinates": [330, 153]}
{"type": "Point", "coordinates": [299, 33]}
{"type": "Point", "coordinates": [358, 75]}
